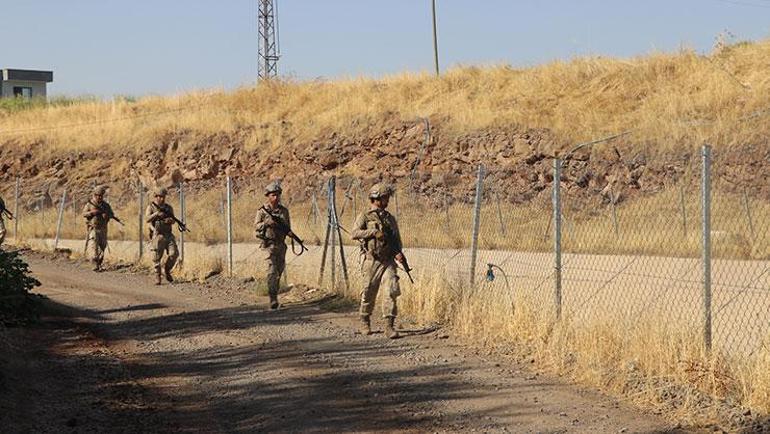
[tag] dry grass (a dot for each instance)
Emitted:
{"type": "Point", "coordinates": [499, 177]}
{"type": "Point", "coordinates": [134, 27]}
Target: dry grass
{"type": "Point", "coordinates": [652, 363]}
{"type": "Point", "coordinates": [653, 225]}
{"type": "Point", "coordinates": [670, 99]}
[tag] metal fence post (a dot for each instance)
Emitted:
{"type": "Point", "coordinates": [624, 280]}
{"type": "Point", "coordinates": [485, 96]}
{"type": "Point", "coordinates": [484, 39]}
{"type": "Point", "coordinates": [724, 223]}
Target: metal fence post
{"type": "Point", "coordinates": [500, 214]}
{"type": "Point", "coordinates": [613, 200]}
{"type": "Point", "coordinates": [683, 209]}
{"type": "Point", "coordinates": [59, 219]}
{"type": "Point", "coordinates": [395, 196]}
{"type": "Point", "coordinates": [355, 208]}
{"type": "Point", "coordinates": [476, 222]}
{"type": "Point", "coordinates": [182, 217]}
{"type": "Point", "coordinates": [314, 209]}
{"type": "Point", "coordinates": [330, 205]}
{"type": "Point", "coordinates": [706, 203]}
{"type": "Point", "coordinates": [229, 227]}
{"type": "Point", "coordinates": [557, 235]}
{"type": "Point", "coordinates": [16, 211]}
{"type": "Point", "coordinates": [338, 234]}
{"type": "Point", "coordinates": [747, 208]}
{"type": "Point", "coordinates": [141, 221]}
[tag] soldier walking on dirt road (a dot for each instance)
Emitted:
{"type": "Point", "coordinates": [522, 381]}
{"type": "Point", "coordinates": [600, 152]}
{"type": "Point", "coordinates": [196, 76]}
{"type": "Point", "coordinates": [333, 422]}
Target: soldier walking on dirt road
{"type": "Point", "coordinates": [98, 214]}
{"type": "Point", "coordinates": [272, 225]}
{"type": "Point", "coordinates": [161, 219]}
{"type": "Point", "coordinates": [381, 247]}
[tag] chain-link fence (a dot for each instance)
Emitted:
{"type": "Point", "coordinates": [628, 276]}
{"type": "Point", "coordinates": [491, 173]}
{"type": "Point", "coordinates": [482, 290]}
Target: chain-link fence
{"type": "Point", "coordinates": [679, 244]}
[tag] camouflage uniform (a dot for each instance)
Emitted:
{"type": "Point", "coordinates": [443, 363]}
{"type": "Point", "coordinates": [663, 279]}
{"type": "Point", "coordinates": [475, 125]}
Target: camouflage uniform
{"type": "Point", "coordinates": [273, 242]}
{"type": "Point", "coordinates": [162, 240]}
{"type": "Point", "coordinates": [97, 217]}
{"type": "Point", "coordinates": [377, 231]}
{"type": "Point", "coordinates": [2, 223]}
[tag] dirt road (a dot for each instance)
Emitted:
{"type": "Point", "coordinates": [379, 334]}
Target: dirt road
{"type": "Point", "coordinates": [120, 355]}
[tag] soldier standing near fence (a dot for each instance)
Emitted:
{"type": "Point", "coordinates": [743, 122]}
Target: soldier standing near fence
{"type": "Point", "coordinates": [3, 213]}
{"type": "Point", "coordinates": [97, 213]}
{"type": "Point", "coordinates": [161, 220]}
{"type": "Point", "coordinates": [271, 224]}
{"type": "Point", "coordinates": [380, 238]}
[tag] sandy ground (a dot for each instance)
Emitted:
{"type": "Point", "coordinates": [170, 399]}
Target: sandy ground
{"type": "Point", "coordinates": [117, 354]}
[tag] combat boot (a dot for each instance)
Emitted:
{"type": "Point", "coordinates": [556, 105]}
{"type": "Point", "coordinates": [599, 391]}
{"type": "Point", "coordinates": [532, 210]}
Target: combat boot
{"type": "Point", "coordinates": [274, 302]}
{"type": "Point", "coordinates": [390, 329]}
{"type": "Point", "coordinates": [169, 278]}
{"type": "Point", "coordinates": [157, 278]}
{"type": "Point", "coordinates": [366, 325]}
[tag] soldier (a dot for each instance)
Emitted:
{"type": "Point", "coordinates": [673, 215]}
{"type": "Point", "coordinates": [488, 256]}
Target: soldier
{"type": "Point", "coordinates": [380, 238]}
{"type": "Point", "coordinates": [3, 213]}
{"type": "Point", "coordinates": [272, 225]}
{"type": "Point", "coordinates": [160, 216]}
{"type": "Point", "coordinates": [97, 213]}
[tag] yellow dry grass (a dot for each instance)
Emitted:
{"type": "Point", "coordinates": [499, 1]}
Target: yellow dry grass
{"type": "Point", "coordinates": [651, 362]}
{"type": "Point", "coordinates": [669, 99]}
{"type": "Point", "coordinates": [654, 225]}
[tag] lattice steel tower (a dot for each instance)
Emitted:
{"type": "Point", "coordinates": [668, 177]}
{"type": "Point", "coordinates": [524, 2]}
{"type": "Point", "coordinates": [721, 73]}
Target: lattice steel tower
{"type": "Point", "coordinates": [269, 48]}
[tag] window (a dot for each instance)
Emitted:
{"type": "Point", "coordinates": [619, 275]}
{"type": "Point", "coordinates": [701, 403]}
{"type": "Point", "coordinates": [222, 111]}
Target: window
{"type": "Point", "coordinates": [24, 92]}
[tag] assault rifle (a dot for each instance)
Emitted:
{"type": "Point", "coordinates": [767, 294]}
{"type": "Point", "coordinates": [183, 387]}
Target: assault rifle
{"type": "Point", "coordinates": [284, 227]}
{"type": "Point", "coordinates": [110, 214]}
{"type": "Point", "coordinates": [387, 232]}
{"type": "Point", "coordinates": [182, 226]}
{"type": "Point", "coordinates": [4, 211]}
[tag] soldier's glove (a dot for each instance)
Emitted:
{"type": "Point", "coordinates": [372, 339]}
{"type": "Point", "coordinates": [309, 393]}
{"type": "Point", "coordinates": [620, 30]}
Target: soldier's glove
{"type": "Point", "coordinates": [380, 235]}
{"type": "Point", "coordinates": [168, 221]}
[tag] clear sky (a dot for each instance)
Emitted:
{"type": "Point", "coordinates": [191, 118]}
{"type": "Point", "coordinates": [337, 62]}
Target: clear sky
{"type": "Point", "coordinates": [140, 47]}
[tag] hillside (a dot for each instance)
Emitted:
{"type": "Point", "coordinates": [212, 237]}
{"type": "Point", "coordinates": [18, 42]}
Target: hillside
{"type": "Point", "coordinates": [510, 119]}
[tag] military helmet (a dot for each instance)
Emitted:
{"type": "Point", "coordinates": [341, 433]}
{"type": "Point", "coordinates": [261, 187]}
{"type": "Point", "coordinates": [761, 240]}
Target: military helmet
{"type": "Point", "coordinates": [160, 191]}
{"type": "Point", "coordinates": [100, 190]}
{"type": "Point", "coordinates": [380, 190]}
{"type": "Point", "coordinates": [273, 187]}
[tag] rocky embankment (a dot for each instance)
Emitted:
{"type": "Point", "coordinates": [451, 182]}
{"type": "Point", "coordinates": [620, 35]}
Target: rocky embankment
{"type": "Point", "coordinates": [440, 167]}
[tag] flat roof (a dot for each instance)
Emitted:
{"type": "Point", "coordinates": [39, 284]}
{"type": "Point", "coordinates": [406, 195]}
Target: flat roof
{"type": "Point", "coordinates": [26, 75]}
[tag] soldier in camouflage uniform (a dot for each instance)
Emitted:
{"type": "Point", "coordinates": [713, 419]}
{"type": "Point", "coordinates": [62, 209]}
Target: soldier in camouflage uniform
{"type": "Point", "coordinates": [273, 238]}
{"type": "Point", "coordinates": [160, 217]}
{"type": "Point", "coordinates": [97, 213]}
{"type": "Point", "coordinates": [380, 238]}
{"type": "Point", "coordinates": [2, 222]}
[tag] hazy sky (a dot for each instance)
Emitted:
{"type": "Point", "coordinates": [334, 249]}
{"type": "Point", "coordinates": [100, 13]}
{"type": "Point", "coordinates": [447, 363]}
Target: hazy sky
{"type": "Point", "coordinates": [139, 47]}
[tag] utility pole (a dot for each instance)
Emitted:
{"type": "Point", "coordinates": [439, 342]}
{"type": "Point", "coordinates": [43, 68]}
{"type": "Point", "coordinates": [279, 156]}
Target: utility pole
{"type": "Point", "coordinates": [269, 48]}
{"type": "Point", "coordinates": [435, 40]}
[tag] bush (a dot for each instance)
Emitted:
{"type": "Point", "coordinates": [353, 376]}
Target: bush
{"type": "Point", "coordinates": [17, 305]}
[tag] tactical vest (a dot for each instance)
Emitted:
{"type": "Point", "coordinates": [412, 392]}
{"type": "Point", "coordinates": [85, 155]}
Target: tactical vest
{"type": "Point", "coordinates": [386, 248]}
{"type": "Point", "coordinates": [270, 235]}
{"type": "Point", "coordinates": [160, 227]}
{"type": "Point", "coordinates": [98, 222]}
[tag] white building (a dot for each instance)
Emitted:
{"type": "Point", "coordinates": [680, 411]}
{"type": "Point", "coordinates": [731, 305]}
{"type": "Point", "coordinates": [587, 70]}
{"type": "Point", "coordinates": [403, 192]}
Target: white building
{"type": "Point", "coordinates": [24, 83]}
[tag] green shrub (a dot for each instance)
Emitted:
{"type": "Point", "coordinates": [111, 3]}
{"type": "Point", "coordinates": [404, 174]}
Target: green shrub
{"type": "Point", "coordinates": [17, 305]}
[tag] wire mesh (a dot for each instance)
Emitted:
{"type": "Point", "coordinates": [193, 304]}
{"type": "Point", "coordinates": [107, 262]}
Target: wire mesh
{"type": "Point", "coordinates": [631, 239]}
{"type": "Point", "coordinates": [632, 255]}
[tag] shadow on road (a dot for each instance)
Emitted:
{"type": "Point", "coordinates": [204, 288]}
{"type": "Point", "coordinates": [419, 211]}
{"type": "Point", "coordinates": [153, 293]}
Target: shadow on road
{"type": "Point", "coordinates": [292, 383]}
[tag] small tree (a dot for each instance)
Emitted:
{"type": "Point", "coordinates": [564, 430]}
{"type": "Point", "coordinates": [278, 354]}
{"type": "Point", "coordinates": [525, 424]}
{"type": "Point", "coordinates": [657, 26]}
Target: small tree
{"type": "Point", "coordinates": [17, 305]}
